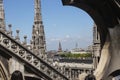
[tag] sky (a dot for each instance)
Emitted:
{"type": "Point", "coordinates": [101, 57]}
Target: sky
{"type": "Point", "coordinates": [67, 24]}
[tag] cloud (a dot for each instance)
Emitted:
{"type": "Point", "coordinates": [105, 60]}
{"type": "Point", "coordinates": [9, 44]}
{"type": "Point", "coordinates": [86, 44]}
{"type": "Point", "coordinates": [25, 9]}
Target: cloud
{"type": "Point", "coordinates": [54, 39]}
{"type": "Point", "coordinates": [67, 36]}
{"type": "Point", "coordinates": [68, 42]}
{"type": "Point", "coordinates": [62, 39]}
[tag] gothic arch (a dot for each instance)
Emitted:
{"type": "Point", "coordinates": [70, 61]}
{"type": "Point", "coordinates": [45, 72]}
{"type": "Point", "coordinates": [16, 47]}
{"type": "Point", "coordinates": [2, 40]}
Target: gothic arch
{"type": "Point", "coordinates": [106, 15]}
{"type": "Point", "coordinates": [3, 72]}
{"type": "Point", "coordinates": [101, 12]}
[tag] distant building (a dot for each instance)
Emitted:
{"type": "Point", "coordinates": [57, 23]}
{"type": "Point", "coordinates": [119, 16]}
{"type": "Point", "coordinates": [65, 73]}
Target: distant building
{"type": "Point", "coordinates": [51, 53]}
{"type": "Point", "coordinates": [74, 67]}
{"type": "Point", "coordinates": [59, 47]}
{"type": "Point", "coordinates": [78, 51]}
{"type": "Point", "coordinates": [90, 48]}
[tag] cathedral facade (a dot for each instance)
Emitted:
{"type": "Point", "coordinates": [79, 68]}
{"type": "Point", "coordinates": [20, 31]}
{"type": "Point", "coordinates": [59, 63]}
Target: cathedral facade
{"type": "Point", "coordinates": [8, 63]}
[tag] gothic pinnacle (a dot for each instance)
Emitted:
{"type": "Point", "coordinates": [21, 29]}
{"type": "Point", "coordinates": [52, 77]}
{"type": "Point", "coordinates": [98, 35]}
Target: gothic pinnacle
{"type": "Point", "coordinates": [37, 17]}
{"type": "Point", "coordinates": [38, 35]}
{"type": "Point", "coordinates": [2, 16]}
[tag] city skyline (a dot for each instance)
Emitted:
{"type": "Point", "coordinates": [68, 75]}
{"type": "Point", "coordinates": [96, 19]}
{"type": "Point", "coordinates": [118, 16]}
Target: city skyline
{"type": "Point", "coordinates": [67, 24]}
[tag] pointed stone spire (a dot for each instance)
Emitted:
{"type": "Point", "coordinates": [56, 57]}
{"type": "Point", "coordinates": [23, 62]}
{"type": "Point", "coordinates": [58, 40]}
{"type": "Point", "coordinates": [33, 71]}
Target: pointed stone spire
{"type": "Point", "coordinates": [38, 35]}
{"type": "Point", "coordinates": [2, 16]}
{"type": "Point", "coordinates": [38, 16]}
{"type": "Point", "coordinates": [60, 47]}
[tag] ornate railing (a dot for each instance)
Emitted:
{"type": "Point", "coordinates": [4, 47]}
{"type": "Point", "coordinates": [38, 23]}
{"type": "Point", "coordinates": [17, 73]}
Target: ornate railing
{"type": "Point", "coordinates": [40, 67]}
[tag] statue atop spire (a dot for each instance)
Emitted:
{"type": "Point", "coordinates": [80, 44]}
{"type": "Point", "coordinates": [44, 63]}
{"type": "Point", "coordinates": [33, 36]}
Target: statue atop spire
{"type": "Point", "coordinates": [2, 16]}
{"type": "Point", "coordinates": [38, 35]}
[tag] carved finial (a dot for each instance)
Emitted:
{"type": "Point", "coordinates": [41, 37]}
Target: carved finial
{"type": "Point", "coordinates": [10, 30]}
{"type": "Point", "coordinates": [10, 25]}
{"type": "Point", "coordinates": [25, 39]}
{"type": "Point", "coordinates": [17, 36]}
